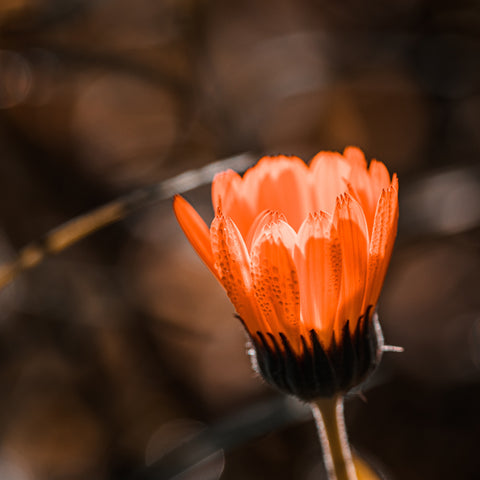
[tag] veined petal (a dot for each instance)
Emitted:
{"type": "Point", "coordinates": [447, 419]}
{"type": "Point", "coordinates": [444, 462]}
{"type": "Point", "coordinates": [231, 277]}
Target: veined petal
{"type": "Point", "coordinates": [228, 190]}
{"type": "Point", "coordinates": [280, 183]}
{"type": "Point", "coordinates": [275, 280]}
{"type": "Point", "coordinates": [232, 263]}
{"type": "Point", "coordinates": [353, 234]}
{"type": "Point", "coordinates": [319, 263]}
{"type": "Point", "coordinates": [264, 218]}
{"type": "Point", "coordinates": [381, 244]}
{"type": "Point", "coordinates": [195, 230]}
{"type": "Point", "coordinates": [330, 172]}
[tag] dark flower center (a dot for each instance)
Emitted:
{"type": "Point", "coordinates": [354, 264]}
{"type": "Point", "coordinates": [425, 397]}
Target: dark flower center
{"type": "Point", "coordinates": [318, 371]}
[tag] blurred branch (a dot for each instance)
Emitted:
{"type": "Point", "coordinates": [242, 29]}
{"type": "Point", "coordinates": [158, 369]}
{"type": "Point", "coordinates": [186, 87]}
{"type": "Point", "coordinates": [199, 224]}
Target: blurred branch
{"type": "Point", "coordinates": [80, 227]}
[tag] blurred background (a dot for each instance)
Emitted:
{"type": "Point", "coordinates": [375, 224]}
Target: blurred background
{"type": "Point", "coordinates": [123, 352]}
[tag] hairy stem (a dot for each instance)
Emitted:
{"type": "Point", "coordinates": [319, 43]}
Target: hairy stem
{"type": "Point", "coordinates": [328, 414]}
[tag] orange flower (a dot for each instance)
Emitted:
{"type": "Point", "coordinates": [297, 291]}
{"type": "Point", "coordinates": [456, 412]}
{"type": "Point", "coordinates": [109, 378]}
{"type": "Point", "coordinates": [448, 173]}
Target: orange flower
{"type": "Point", "coordinates": [302, 253]}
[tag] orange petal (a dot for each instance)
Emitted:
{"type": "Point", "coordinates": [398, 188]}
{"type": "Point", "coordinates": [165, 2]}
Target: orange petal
{"type": "Point", "coordinates": [265, 217]}
{"type": "Point", "coordinates": [360, 188]}
{"type": "Point", "coordinates": [275, 280]}
{"type": "Point", "coordinates": [228, 189]}
{"type": "Point", "coordinates": [379, 175]}
{"type": "Point", "coordinates": [362, 184]}
{"type": "Point", "coordinates": [195, 230]}
{"type": "Point", "coordinates": [224, 186]}
{"type": "Point", "coordinates": [280, 183]}
{"type": "Point", "coordinates": [355, 157]}
{"type": "Point", "coordinates": [381, 244]}
{"type": "Point", "coordinates": [366, 185]}
{"type": "Point", "coordinates": [319, 262]}
{"type": "Point", "coordinates": [353, 234]}
{"type": "Point", "coordinates": [379, 180]}
{"type": "Point", "coordinates": [329, 171]}
{"type": "Point", "coordinates": [233, 266]}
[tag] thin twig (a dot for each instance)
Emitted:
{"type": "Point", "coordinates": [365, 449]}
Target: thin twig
{"type": "Point", "coordinates": [80, 227]}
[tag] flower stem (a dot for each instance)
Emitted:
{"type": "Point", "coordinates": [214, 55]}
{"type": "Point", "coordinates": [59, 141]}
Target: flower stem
{"type": "Point", "coordinates": [328, 414]}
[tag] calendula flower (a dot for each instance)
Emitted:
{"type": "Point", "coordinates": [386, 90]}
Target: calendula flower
{"type": "Point", "coordinates": [302, 252]}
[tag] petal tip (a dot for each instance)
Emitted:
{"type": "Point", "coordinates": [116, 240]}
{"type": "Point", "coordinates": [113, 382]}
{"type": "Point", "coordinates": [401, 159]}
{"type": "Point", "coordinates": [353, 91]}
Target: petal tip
{"type": "Point", "coordinates": [354, 153]}
{"type": "Point", "coordinates": [180, 205]}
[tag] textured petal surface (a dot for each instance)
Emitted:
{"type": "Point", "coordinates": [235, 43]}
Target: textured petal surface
{"type": "Point", "coordinates": [353, 235]}
{"type": "Point", "coordinates": [195, 230]}
{"type": "Point", "coordinates": [379, 180]}
{"type": "Point", "coordinates": [319, 264]}
{"type": "Point", "coordinates": [275, 280]}
{"type": "Point", "coordinates": [381, 244]}
{"type": "Point", "coordinates": [232, 263]}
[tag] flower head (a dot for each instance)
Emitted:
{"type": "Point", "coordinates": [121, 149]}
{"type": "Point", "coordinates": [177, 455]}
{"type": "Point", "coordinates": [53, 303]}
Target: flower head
{"type": "Point", "coordinates": [302, 252]}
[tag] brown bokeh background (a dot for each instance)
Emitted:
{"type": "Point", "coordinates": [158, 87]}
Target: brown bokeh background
{"type": "Point", "coordinates": [121, 348]}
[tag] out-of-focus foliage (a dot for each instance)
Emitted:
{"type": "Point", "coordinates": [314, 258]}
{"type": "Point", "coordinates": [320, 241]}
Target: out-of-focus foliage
{"type": "Point", "coordinates": [116, 351]}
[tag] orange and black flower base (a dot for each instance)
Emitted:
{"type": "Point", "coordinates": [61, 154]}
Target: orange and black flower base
{"type": "Point", "coordinates": [319, 372]}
